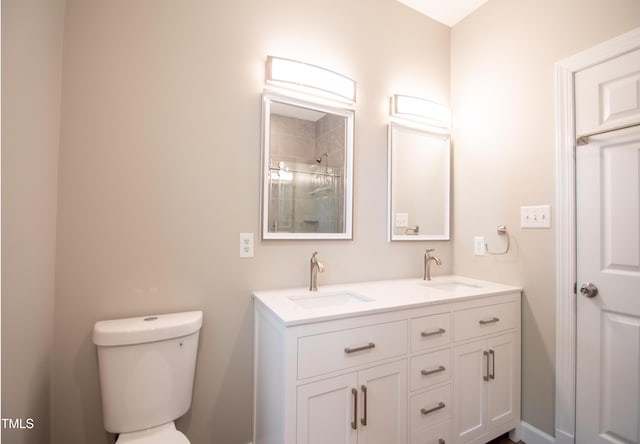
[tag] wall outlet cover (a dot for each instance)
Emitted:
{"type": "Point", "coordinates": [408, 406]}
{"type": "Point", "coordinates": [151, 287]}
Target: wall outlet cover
{"type": "Point", "coordinates": [246, 244]}
{"type": "Point", "coordinates": [402, 220]}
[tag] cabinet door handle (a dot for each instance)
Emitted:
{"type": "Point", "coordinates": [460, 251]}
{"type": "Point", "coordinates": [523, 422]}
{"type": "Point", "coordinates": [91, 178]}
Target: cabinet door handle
{"type": "Point", "coordinates": [369, 346]}
{"type": "Point", "coordinates": [440, 405]}
{"type": "Point", "coordinates": [489, 321]}
{"type": "Point", "coordinates": [426, 334]}
{"type": "Point", "coordinates": [354, 423]}
{"type": "Point", "coordinates": [364, 407]}
{"type": "Point", "coordinates": [492, 354]}
{"type": "Point", "coordinates": [486, 376]}
{"type": "Point", "coordinates": [440, 368]}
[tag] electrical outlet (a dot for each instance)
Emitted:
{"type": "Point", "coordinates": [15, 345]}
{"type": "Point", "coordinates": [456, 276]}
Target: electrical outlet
{"type": "Point", "coordinates": [535, 216]}
{"type": "Point", "coordinates": [402, 220]}
{"type": "Point", "coordinates": [246, 244]}
{"type": "Point", "coordinates": [478, 245]}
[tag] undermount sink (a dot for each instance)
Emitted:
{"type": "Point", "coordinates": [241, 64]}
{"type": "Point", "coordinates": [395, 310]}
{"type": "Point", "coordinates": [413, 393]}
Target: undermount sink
{"type": "Point", "coordinates": [328, 299]}
{"type": "Point", "coordinates": [451, 286]}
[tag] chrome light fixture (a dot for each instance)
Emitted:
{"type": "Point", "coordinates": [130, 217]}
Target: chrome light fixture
{"type": "Point", "coordinates": [309, 78]}
{"type": "Point", "coordinates": [422, 110]}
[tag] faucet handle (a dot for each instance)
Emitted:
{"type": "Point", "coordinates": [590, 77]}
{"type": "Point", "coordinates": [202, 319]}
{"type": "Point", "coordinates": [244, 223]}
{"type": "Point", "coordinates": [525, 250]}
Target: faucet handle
{"type": "Point", "coordinates": [429, 250]}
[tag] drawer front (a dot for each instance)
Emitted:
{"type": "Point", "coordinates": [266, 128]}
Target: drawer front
{"type": "Point", "coordinates": [430, 331]}
{"type": "Point", "coordinates": [429, 408]}
{"type": "Point", "coordinates": [485, 320]}
{"type": "Point", "coordinates": [438, 434]}
{"type": "Point", "coordinates": [430, 368]}
{"type": "Point", "coordinates": [328, 352]}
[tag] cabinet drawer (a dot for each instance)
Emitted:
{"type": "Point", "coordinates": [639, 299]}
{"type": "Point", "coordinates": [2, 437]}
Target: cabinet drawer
{"type": "Point", "coordinates": [438, 434]}
{"type": "Point", "coordinates": [485, 320]}
{"type": "Point", "coordinates": [430, 368]}
{"type": "Point", "coordinates": [328, 352]}
{"type": "Point", "coordinates": [430, 408]}
{"type": "Point", "coordinates": [430, 331]}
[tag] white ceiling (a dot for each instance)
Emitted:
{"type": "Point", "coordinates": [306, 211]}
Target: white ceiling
{"type": "Point", "coordinates": [448, 12]}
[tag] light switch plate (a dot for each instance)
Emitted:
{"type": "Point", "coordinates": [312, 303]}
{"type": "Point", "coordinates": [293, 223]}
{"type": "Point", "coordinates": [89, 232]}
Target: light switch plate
{"type": "Point", "coordinates": [246, 244]}
{"type": "Point", "coordinates": [535, 216]}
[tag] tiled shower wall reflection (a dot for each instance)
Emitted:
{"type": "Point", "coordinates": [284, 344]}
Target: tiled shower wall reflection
{"type": "Point", "coordinates": [310, 199]}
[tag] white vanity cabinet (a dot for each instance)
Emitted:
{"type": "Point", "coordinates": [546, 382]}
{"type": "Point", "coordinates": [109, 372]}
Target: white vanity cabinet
{"type": "Point", "coordinates": [487, 372]}
{"type": "Point", "coordinates": [433, 373]}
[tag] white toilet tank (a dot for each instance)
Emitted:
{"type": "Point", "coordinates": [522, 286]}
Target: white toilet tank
{"type": "Point", "coordinates": [147, 366]}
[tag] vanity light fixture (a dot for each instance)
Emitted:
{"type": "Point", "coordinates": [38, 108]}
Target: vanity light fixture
{"type": "Point", "coordinates": [310, 78]}
{"type": "Point", "coordinates": [415, 108]}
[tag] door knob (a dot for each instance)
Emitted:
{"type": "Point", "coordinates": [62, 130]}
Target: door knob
{"type": "Point", "coordinates": [589, 290]}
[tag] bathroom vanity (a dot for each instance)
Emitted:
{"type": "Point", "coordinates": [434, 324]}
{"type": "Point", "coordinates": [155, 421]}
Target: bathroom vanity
{"type": "Point", "coordinates": [403, 361]}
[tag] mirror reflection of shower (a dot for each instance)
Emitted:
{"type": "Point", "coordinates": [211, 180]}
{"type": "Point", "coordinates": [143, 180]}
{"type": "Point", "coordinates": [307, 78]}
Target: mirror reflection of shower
{"type": "Point", "coordinates": [306, 169]}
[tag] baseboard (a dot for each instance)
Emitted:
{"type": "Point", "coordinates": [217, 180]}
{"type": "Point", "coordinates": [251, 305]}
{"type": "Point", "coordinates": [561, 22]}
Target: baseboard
{"type": "Point", "coordinates": [532, 435]}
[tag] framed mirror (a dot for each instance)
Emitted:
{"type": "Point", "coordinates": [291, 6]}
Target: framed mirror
{"type": "Point", "coordinates": [307, 186]}
{"type": "Point", "coordinates": [418, 184]}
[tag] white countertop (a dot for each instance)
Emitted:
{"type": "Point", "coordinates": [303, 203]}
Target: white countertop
{"type": "Point", "coordinates": [294, 306]}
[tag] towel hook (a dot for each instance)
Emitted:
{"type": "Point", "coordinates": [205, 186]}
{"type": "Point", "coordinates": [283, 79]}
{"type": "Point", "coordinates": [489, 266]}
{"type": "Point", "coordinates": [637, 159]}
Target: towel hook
{"type": "Point", "coordinates": [502, 229]}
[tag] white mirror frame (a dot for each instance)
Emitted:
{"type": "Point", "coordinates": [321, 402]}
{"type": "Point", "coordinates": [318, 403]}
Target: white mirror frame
{"type": "Point", "coordinates": [444, 235]}
{"type": "Point", "coordinates": [349, 115]}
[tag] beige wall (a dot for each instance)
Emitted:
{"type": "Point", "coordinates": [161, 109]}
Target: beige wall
{"type": "Point", "coordinates": [160, 172]}
{"type": "Point", "coordinates": [31, 71]}
{"type": "Point", "coordinates": [504, 156]}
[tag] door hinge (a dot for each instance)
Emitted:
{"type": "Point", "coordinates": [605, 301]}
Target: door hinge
{"type": "Point", "coordinates": [575, 288]}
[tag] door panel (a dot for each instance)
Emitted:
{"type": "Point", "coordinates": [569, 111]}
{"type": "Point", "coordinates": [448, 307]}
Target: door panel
{"type": "Point", "coordinates": [470, 369]}
{"type": "Point", "coordinates": [325, 411]}
{"type": "Point", "coordinates": [620, 377]}
{"type": "Point", "coordinates": [501, 393]}
{"type": "Point", "coordinates": [386, 404]}
{"type": "Point", "coordinates": [608, 95]}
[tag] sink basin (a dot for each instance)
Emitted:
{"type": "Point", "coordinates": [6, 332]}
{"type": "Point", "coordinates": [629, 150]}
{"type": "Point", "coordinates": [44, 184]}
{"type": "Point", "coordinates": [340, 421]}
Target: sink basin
{"type": "Point", "coordinates": [452, 286]}
{"type": "Point", "coordinates": [328, 299]}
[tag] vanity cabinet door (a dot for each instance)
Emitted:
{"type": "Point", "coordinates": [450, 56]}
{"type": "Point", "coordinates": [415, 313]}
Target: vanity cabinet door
{"type": "Point", "coordinates": [502, 398]}
{"type": "Point", "coordinates": [486, 396]}
{"type": "Point", "coordinates": [385, 398]}
{"type": "Point", "coordinates": [365, 407]}
{"type": "Point", "coordinates": [469, 392]}
{"type": "Point", "coordinates": [327, 411]}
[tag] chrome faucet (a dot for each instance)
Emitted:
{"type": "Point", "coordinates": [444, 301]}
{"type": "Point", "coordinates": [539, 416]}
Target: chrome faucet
{"type": "Point", "coordinates": [427, 263]}
{"type": "Point", "coordinates": [315, 267]}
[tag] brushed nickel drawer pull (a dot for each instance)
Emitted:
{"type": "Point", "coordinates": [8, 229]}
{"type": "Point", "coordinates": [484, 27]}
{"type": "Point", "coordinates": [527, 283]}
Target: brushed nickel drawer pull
{"type": "Point", "coordinates": [440, 405]}
{"type": "Point", "coordinates": [440, 368]}
{"type": "Point", "coordinates": [486, 355]}
{"type": "Point", "coordinates": [363, 421]}
{"type": "Point", "coordinates": [492, 375]}
{"type": "Point", "coordinates": [354, 423]}
{"type": "Point", "coordinates": [439, 331]}
{"type": "Point", "coordinates": [490, 321]}
{"type": "Point", "coordinates": [369, 346]}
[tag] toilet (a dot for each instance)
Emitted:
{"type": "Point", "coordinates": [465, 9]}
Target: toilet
{"type": "Point", "coordinates": [147, 367]}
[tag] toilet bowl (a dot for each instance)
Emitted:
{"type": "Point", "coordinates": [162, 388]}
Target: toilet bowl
{"type": "Point", "coordinates": [147, 369]}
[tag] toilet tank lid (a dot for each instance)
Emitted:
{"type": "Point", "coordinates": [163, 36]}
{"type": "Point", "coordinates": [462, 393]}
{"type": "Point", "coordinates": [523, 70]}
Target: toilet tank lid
{"type": "Point", "coordinates": [146, 328]}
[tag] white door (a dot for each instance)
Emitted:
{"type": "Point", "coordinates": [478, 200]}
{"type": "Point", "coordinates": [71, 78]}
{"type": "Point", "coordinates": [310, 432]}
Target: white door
{"type": "Point", "coordinates": [471, 373]}
{"type": "Point", "coordinates": [608, 323]}
{"type": "Point", "coordinates": [503, 403]}
{"type": "Point", "coordinates": [327, 411]}
{"type": "Point", "coordinates": [608, 252]}
{"type": "Point", "coordinates": [383, 413]}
